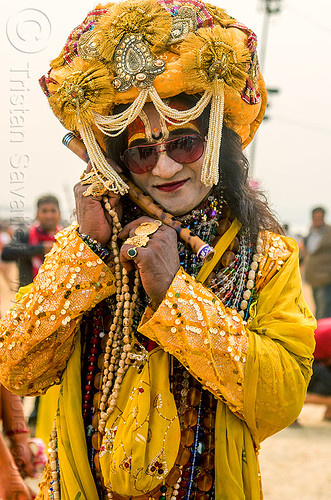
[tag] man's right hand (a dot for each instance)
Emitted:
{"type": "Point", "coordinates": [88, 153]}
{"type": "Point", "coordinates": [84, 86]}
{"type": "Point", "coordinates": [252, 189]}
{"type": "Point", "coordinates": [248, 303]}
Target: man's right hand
{"type": "Point", "coordinates": [47, 246]}
{"type": "Point", "coordinates": [92, 218]}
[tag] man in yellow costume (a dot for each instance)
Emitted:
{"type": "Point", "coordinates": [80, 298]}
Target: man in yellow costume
{"type": "Point", "coordinates": [171, 313]}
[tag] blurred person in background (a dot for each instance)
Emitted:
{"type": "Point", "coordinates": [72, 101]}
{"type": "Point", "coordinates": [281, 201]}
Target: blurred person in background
{"type": "Point", "coordinates": [318, 262]}
{"type": "Point", "coordinates": [5, 239]}
{"type": "Point", "coordinates": [319, 389]}
{"type": "Point", "coordinates": [29, 247]}
{"type": "Point", "coordinates": [7, 269]}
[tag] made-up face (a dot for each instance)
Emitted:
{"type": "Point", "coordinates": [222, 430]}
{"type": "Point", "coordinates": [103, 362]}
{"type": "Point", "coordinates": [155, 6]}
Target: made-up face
{"type": "Point", "coordinates": [170, 172]}
{"type": "Point", "coordinates": [318, 219]}
{"type": "Point", "coordinates": [49, 216]}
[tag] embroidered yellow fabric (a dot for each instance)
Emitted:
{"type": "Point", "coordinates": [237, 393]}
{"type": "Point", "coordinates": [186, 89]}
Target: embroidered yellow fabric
{"type": "Point", "coordinates": [143, 430]}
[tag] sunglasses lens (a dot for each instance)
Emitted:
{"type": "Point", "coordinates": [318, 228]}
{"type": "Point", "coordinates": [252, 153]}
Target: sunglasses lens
{"type": "Point", "coordinates": [186, 149]}
{"type": "Point", "coordinates": [140, 159]}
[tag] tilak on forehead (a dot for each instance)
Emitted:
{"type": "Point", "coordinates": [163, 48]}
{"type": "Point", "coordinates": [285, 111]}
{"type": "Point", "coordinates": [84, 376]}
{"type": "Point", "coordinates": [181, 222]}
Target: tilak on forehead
{"type": "Point", "coordinates": [152, 126]}
{"type": "Point", "coordinates": [139, 51]}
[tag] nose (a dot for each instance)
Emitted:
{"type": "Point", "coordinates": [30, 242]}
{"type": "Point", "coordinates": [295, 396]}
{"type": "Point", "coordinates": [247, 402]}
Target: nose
{"type": "Point", "coordinates": [165, 166]}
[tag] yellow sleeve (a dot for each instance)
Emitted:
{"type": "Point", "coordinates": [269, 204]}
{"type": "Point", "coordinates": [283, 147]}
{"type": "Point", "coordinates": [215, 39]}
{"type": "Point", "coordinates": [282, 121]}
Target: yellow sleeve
{"type": "Point", "coordinates": [38, 333]}
{"type": "Point", "coordinates": [219, 349]}
{"type": "Point", "coordinates": [281, 346]}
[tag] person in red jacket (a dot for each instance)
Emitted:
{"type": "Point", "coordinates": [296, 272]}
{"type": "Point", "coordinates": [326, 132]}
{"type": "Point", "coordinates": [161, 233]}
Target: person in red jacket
{"type": "Point", "coordinates": [319, 389]}
{"type": "Point", "coordinates": [29, 247]}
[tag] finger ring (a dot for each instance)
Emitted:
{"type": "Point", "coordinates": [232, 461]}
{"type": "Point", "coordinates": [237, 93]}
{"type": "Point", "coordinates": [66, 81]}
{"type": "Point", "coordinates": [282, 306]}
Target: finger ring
{"type": "Point", "coordinates": [132, 252]}
{"type": "Point", "coordinates": [140, 239]}
{"type": "Point", "coordinates": [96, 185]}
{"type": "Point", "coordinates": [148, 228]}
{"type": "Point", "coordinates": [137, 241]}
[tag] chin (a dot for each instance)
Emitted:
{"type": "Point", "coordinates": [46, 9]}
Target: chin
{"type": "Point", "coordinates": [178, 209]}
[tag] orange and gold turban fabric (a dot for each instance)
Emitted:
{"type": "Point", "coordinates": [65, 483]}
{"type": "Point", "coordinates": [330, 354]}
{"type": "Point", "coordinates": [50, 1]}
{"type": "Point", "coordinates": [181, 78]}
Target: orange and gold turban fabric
{"type": "Point", "coordinates": [139, 51]}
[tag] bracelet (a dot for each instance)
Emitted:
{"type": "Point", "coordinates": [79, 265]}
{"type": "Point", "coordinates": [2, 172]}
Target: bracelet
{"type": "Point", "coordinates": [95, 246]}
{"type": "Point", "coordinates": [18, 431]}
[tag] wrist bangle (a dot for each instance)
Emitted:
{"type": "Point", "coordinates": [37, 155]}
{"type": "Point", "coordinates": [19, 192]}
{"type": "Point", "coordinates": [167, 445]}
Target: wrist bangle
{"type": "Point", "coordinates": [17, 431]}
{"type": "Point", "coordinates": [95, 246]}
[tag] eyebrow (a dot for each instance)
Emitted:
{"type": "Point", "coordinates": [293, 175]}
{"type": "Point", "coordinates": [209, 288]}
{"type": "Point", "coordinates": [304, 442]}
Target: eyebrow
{"type": "Point", "coordinates": [172, 134]}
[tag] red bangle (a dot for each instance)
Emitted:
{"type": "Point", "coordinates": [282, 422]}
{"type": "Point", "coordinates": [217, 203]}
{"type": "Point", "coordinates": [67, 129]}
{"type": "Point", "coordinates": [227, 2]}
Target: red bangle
{"type": "Point", "coordinates": [18, 431]}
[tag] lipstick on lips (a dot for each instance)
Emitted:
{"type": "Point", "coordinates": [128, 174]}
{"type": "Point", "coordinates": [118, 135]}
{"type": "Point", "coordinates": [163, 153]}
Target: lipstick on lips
{"type": "Point", "coordinates": [171, 186]}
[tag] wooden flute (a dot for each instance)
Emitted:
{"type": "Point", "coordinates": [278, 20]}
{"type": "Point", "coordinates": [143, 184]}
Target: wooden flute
{"type": "Point", "coordinates": [204, 251]}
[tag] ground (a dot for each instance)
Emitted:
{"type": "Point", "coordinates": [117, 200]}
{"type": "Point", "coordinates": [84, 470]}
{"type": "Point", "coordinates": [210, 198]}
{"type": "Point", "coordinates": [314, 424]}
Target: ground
{"type": "Point", "coordinates": [295, 463]}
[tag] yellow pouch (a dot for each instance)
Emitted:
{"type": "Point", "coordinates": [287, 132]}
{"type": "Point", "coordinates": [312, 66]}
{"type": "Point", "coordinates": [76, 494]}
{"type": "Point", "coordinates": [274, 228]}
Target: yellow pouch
{"type": "Point", "coordinates": [142, 435]}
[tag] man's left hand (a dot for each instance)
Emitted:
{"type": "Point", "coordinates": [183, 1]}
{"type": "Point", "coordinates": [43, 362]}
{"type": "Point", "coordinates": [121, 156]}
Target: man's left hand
{"type": "Point", "coordinates": [23, 456]}
{"type": "Point", "coordinates": [157, 263]}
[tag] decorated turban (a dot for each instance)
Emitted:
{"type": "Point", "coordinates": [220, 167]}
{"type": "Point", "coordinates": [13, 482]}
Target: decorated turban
{"type": "Point", "coordinates": [139, 51]}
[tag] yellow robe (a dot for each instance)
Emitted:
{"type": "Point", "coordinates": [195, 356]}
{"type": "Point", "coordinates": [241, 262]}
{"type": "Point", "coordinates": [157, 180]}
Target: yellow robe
{"type": "Point", "coordinates": [259, 372]}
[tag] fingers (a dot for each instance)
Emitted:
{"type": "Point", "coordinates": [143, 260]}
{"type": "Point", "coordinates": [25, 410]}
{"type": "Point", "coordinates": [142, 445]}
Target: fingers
{"type": "Point", "coordinates": [30, 470]}
{"type": "Point", "coordinates": [157, 242]}
{"type": "Point", "coordinates": [127, 262]}
{"type": "Point", "coordinates": [79, 190]}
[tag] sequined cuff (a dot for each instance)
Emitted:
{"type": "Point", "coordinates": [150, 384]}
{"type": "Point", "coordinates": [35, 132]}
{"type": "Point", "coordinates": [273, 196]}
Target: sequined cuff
{"type": "Point", "coordinates": [208, 339]}
{"type": "Point", "coordinates": [95, 246]}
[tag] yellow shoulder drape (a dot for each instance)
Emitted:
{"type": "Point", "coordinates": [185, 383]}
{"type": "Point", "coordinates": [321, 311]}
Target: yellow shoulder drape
{"type": "Point", "coordinates": [277, 372]}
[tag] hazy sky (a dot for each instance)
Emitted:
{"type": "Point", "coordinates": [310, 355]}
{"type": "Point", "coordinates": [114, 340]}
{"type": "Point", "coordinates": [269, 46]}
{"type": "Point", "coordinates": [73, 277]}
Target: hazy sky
{"type": "Point", "coordinates": [292, 151]}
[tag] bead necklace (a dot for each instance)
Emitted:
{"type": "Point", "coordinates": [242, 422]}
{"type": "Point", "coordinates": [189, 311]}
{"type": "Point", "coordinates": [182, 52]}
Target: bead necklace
{"type": "Point", "coordinates": [93, 345]}
{"type": "Point", "coordinates": [229, 281]}
{"type": "Point", "coordinates": [195, 448]}
{"type": "Point", "coordinates": [203, 222]}
{"type": "Point", "coordinates": [234, 284]}
{"type": "Point", "coordinates": [119, 337]}
{"type": "Point", "coordinates": [52, 450]}
{"type": "Point", "coordinates": [196, 409]}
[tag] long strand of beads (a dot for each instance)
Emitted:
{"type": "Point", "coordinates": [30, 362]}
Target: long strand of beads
{"type": "Point", "coordinates": [195, 448]}
{"type": "Point", "coordinates": [178, 116]}
{"type": "Point", "coordinates": [175, 488]}
{"type": "Point", "coordinates": [242, 272]}
{"type": "Point", "coordinates": [120, 333]}
{"type": "Point", "coordinates": [224, 284]}
{"type": "Point", "coordinates": [55, 484]}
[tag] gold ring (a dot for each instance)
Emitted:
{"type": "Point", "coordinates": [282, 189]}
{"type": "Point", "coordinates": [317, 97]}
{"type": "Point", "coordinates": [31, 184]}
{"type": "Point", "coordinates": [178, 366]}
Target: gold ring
{"type": "Point", "coordinates": [132, 252]}
{"type": "Point", "coordinates": [142, 232]}
{"type": "Point", "coordinates": [148, 228]}
{"type": "Point", "coordinates": [137, 241]}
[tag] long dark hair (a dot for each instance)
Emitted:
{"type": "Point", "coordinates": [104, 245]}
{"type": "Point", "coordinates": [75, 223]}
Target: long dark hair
{"type": "Point", "coordinates": [248, 205]}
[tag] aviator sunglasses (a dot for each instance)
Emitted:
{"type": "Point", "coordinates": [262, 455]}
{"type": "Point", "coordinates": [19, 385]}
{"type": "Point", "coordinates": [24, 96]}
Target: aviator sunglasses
{"type": "Point", "coordinates": [183, 149]}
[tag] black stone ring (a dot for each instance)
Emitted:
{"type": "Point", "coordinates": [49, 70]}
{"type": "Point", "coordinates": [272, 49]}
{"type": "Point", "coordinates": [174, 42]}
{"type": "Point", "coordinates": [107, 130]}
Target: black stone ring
{"type": "Point", "coordinates": [132, 252]}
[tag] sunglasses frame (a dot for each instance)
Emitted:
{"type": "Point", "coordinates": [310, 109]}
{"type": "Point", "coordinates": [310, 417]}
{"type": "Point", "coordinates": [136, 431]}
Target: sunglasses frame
{"type": "Point", "coordinates": [164, 150]}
